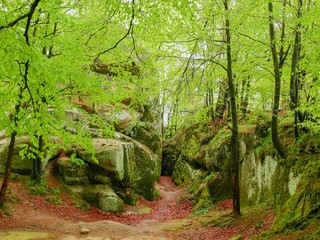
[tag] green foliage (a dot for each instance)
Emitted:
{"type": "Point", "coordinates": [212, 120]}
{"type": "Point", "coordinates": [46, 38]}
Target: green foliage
{"type": "Point", "coordinates": [156, 194]}
{"type": "Point", "coordinates": [223, 134]}
{"type": "Point", "coordinates": [265, 143]}
{"type": "Point", "coordinates": [81, 205]}
{"type": "Point", "coordinates": [206, 178]}
{"type": "Point", "coordinates": [77, 161]}
{"type": "Point", "coordinates": [41, 188]}
{"type": "Point", "coordinates": [185, 197]}
{"type": "Point", "coordinates": [79, 202]}
{"type": "Point", "coordinates": [203, 207]}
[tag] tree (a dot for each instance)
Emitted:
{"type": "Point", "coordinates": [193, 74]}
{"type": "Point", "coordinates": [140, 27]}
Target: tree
{"type": "Point", "coordinates": [17, 107]}
{"type": "Point", "coordinates": [235, 132]}
{"type": "Point", "coordinates": [45, 64]}
{"type": "Point", "coordinates": [277, 64]}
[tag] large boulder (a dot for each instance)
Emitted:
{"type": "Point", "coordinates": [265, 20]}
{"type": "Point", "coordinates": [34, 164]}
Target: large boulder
{"type": "Point", "coordinates": [303, 207]}
{"type": "Point", "coordinates": [124, 119]}
{"type": "Point", "coordinates": [21, 165]}
{"type": "Point", "coordinates": [183, 172]}
{"type": "Point", "coordinates": [148, 136]}
{"type": "Point", "coordinates": [220, 187]}
{"type": "Point", "coordinates": [71, 173]}
{"type": "Point", "coordinates": [147, 168]}
{"type": "Point", "coordinates": [100, 196]}
{"type": "Point", "coordinates": [110, 155]}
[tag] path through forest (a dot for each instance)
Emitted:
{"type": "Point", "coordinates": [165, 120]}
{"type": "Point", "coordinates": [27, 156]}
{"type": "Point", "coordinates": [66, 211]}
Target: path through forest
{"type": "Point", "coordinates": [165, 218]}
{"type": "Point", "coordinates": [146, 220]}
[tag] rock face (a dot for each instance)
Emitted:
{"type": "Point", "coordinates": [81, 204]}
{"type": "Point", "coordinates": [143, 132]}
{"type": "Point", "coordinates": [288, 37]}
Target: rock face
{"type": "Point", "coordinates": [123, 119]}
{"type": "Point", "coordinates": [100, 196]}
{"type": "Point", "coordinates": [147, 168]}
{"type": "Point", "coordinates": [109, 154]}
{"type": "Point", "coordinates": [122, 169]}
{"type": "Point", "coordinates": [203, 163]}
{"type": "Point", "coordinates": [20, 165]}
{"type": "Point", "coordinates": [71, 173]}
{"type": "Point", "coordinates": [304, 206]}
{"type": "Point", "coordinates": [201, 148]}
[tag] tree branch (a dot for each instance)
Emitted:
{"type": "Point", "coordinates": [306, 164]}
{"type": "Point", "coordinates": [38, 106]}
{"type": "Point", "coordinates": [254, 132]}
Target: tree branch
{"type": "Point", "coordinates": [121, 39]}
{"type": "Point", "coordinates": [27, 15]}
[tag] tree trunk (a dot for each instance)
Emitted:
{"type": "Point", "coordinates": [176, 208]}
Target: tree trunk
{"type": "Point", "coordinates": [222, 101]}
{"type": "Point", "coordinates": [245, 96]}
{"type": "Point", "coordinates": [7, 172]}
{"type": "Point", "coordinates": [235, 133]}
{"type": "Point", "coordinates": [37, 163]}
{"type": "Point", "coordinates": [277, 88]}
{"type": "Point", "coordinates": [294, 86]}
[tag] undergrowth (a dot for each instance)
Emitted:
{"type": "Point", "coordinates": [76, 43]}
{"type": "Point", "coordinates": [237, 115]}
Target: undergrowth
{"type": "Point", "coordinates": [41, 187]}
{"type": "Point", "coordinates": [79, 203]}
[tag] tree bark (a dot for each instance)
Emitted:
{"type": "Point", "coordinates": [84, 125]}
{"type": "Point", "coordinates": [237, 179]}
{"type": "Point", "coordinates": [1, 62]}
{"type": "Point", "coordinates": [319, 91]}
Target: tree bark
{"type": "Point", "coordinates": [277, 87]}
{"type": "Point", "coordinates": [245, 96]}
{"type": "Point", "coordinates": [7, 172]}
{"type": "Point", "coordinates": [222, 101]}
{"type": "Point", "coordinates": [294, 86]}
{"type": "Point", "coordinates": [235, 132]}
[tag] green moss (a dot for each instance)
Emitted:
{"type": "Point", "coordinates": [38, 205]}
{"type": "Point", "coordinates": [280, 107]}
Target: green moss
{"type": "Point", "coordinates": [223, 134]}
{"type": "Point", "coordinates": [302, 208]}
{"type": "Point", "coordinates": [266, 143]}
{"type": "Point", "coordinates": [182, 172]}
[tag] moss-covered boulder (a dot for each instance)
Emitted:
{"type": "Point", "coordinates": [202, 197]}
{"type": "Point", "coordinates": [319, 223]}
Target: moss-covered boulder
{"type": "Point", "coordinates": [21, 165]}
{"type": "Point", "coordinates": [71, 173]}
{"type": "Point", "coordinates": [123, 118]}
{"type": "Point", "coordinates": [303, 207]}
{"type": "Point", "coordinates": [171, 151]}
{"type": "Point", "coordinates": [183, 172]}
{"type": "Point", "coordinates": [109, 154]}
{"type": "Point", "coordinates": [100, 196]}
{"type": "Point", "coordinates": [220, 187]}
{"type": "Point", "coordinates": [190, 144]}
{"type": "Point", "coordinates": [264, 178]}
{"type": "Point", "coordinates": [147, 167]}
{"type": "Point", "coordinates": [147, 135]}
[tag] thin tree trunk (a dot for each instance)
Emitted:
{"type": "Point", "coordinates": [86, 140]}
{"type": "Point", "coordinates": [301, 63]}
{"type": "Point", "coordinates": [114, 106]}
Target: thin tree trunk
{"type": "Point", "coordinates": [294, 88]}
{"type": "Point", "coordinates": [222, 101]}
{"type": "Point", "coordinates": [245, 96]}
{"type": "Point", "coordinates": [235, 133]}
{"type": "Point", "coordinates": [277, 88]}
{"type": "Point", "coordinates": [37, 163]}
{"type": "Point", "coordinates": [7, 172]}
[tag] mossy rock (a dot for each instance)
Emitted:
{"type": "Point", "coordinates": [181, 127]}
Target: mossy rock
{"type": "Point", "coordinates": [220, 187]}
{"type": "Point", "coordinates": [148, 136]}
{"type": "Point", "coordinates": [100, 196]}
{"type": "Point", "coordinates": [70, 173]}
{"type": "Point", "coordinates": [303, 207]}
{"type": "Point", "coordinates": [182, 172]}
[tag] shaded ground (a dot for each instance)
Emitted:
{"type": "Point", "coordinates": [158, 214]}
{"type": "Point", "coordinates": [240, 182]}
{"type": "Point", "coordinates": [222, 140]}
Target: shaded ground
{"type": "Point", "coordinates": [167, 218]}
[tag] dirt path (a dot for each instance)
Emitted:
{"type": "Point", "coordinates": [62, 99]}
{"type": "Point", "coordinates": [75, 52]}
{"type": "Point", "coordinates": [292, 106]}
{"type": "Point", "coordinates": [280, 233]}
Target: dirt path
{"type": "Point", "coordinates": [167, 218]}
{"type": "Point", "coordinates": [146, 220]}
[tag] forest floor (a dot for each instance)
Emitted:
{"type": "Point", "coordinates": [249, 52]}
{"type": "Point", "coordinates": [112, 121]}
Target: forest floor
{"type": "Point", "coordinates": [169, 217]}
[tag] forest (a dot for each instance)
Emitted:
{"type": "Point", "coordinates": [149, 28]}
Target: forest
{"type": "Point", "coordinates": [159, 119]}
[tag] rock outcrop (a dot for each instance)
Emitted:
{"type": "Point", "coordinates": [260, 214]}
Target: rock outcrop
{"type": "Point", "coordinates": [201, 160]}
{"type": "Point", "coordinates": [122, 168]}
{"type": "Point", "coordinates": [21, 164]}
